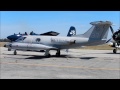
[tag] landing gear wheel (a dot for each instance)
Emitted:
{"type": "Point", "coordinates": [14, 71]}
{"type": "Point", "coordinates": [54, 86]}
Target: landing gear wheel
{"type": "Point", "coordinates": [15, 52]}
{"type": "Point", "coordinates": [58, 53]}
{"type": "Point", "coordinates": [48, 55]}
{"type": "Point", "coordinates": [9, 49]}
{"type": "Point", "coordinates": [114, 50]}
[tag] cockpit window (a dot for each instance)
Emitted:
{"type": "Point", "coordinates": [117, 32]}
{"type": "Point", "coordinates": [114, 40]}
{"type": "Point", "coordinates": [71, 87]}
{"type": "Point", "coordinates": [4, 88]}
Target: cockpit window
{"type": "Point", "coordinates": [20, 39]}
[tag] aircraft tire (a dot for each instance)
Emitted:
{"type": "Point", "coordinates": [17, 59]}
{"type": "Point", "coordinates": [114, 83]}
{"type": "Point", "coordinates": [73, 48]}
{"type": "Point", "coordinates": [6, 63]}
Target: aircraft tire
{"type": "Point", "coordinates": [15, 52]}
{"type": "Point", "coordinates": [58, 53]}
{"type": "Point", "coordinates": [114, 50]}
{"type": "Point", "coordinates": [9, 49]}
{"type": "Point", "coordinates": [48, 55]}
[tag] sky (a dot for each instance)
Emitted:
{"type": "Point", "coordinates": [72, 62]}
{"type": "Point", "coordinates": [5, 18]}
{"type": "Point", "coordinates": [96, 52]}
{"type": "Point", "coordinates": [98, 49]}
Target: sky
{"type": "Point", "coordinates": [60, 21]}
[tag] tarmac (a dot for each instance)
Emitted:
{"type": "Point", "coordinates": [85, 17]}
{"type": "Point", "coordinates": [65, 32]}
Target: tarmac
{"type": "Point", "coordinates": [76, 64]}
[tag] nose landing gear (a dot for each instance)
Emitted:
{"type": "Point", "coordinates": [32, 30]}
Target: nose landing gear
{"type": "Point", "coordinates": [15, 52]}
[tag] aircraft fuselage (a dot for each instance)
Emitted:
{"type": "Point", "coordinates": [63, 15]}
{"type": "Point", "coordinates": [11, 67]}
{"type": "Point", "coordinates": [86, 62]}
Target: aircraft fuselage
{"type": "Point", "coordinates": [50, 42]}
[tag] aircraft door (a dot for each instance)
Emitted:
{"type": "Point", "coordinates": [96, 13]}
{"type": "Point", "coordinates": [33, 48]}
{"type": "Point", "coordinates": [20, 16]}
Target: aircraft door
{"type": "Point", "coordinates": [29, 43]}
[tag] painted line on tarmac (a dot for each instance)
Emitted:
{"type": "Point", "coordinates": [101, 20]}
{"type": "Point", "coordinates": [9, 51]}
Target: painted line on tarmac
{"type": "Point", "coordinates": [52, 65]}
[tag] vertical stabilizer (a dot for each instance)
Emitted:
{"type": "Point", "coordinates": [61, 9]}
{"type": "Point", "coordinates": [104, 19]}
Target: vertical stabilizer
{"type": "Point", "coordinates": [98, 31]}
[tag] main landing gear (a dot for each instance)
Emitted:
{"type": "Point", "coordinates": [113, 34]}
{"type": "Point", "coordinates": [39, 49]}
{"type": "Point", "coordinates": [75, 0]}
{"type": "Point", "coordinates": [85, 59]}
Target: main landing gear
{"type": "Point", "coordinates": [47, 54]}
{"type": "Point", "coordinates": [15, 52]}
{"type": "Point", "coordinates": [58, 53]}
{"type": "Point", "coordinates": [115, 50]}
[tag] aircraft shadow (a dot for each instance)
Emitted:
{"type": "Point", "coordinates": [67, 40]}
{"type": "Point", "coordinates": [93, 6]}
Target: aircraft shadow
{"type": "Point", "coordinates": [112, 53]}
{"type": "Point", "coordinates": [87, 58]}
{"type": "Point", "coordinates": [53, 56]}
{"type": "Point", "coordinates": [42, 57]}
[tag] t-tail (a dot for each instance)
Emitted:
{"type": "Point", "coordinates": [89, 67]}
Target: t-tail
{"type": "Point", "coordinates": [98, 33]}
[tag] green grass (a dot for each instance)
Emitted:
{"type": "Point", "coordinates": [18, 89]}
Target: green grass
{"type": "Point", "coordinates": [101, 47]}
{"type": "Point", "coordinates": [2, 44]}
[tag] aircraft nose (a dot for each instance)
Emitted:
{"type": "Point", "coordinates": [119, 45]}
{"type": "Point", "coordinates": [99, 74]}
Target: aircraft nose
{"type": "Point", "coordinates": [9, 37]}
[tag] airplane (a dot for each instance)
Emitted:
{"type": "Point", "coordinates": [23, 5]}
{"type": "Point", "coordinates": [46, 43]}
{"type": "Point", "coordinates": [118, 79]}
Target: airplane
{"type": "Point", "coordinates": [14, 37]}
{"type": "Point", "coordinates": [96, 35]}
{"type": "Point", "coordinates": [50, 33]}
{"type": "Point", "coordinates": [115, 40]}
{"type": "Point", "coordinates": [71, 32]}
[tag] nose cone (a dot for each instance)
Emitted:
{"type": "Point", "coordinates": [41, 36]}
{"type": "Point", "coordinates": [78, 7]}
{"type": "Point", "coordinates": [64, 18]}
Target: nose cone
{"type": "Point", "coordinates": [13, 37]}
{"type": "Point", "coordinates": [10, 37]}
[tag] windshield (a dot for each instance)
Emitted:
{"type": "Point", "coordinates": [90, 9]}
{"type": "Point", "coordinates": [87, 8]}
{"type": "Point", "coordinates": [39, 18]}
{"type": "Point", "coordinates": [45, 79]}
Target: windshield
{"type": "Point", "coordinates": [20, 39]}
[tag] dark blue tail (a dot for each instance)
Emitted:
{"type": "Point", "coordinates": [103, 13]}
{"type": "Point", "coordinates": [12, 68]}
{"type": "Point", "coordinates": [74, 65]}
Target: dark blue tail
{"type": "Point", "coordinates": [72, 31]}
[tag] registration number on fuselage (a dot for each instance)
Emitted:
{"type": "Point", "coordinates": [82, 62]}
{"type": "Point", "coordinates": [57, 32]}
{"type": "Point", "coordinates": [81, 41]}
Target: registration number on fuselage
{"type": "Point", "coordinates": [58, 40]}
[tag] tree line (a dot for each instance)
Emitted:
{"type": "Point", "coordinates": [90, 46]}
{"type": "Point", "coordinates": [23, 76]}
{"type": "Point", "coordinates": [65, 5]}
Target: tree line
{"type": "Point", "coordinates": [4, 40]}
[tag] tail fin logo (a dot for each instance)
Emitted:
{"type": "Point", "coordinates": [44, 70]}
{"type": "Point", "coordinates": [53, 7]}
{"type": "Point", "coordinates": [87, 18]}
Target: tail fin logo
{"type": "Point", "coordinates": [72, 32]}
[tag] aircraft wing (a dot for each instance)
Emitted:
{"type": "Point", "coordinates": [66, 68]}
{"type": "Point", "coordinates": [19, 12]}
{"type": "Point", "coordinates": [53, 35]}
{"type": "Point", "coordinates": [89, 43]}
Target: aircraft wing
{"type": "Point", "coordinates": [41, 46]}
{"type": "Point", "coordinates": [50, 33]}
